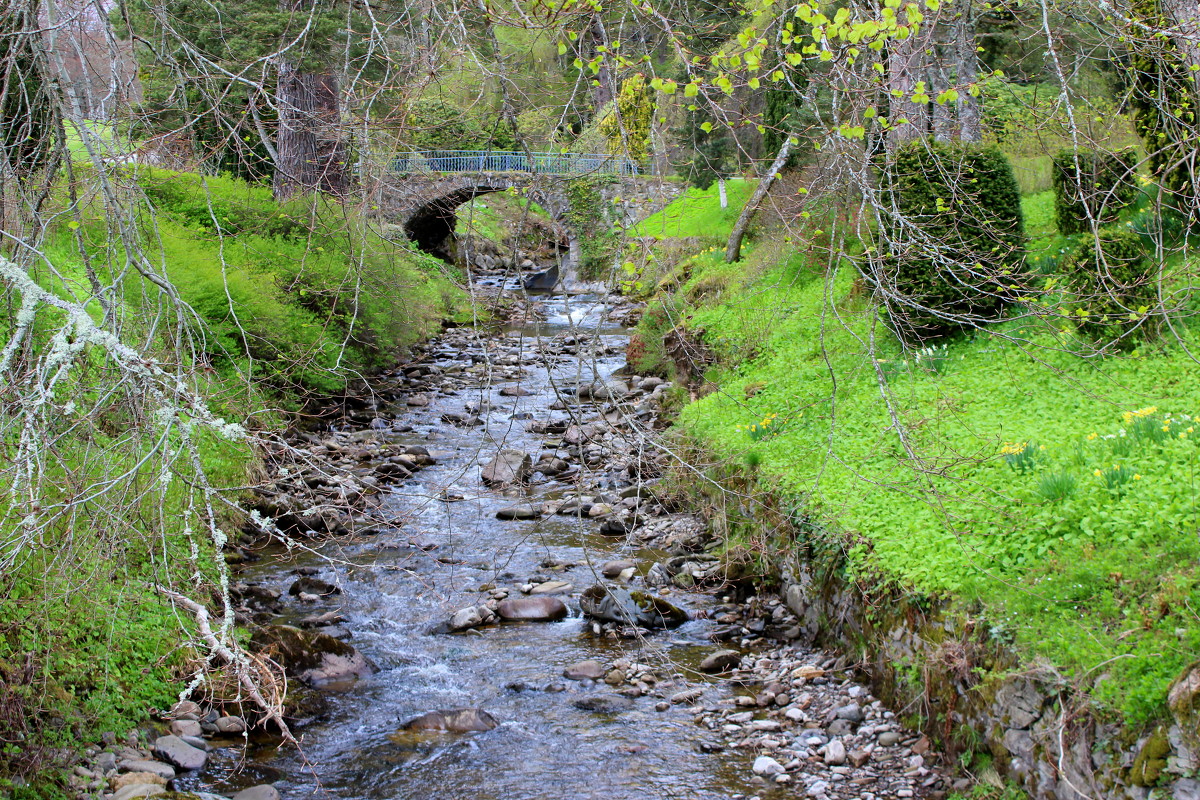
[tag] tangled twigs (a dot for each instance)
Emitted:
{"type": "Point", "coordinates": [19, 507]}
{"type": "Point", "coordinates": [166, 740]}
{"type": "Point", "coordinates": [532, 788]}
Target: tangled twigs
{"type": "Point", "coordinates": [243, 666]}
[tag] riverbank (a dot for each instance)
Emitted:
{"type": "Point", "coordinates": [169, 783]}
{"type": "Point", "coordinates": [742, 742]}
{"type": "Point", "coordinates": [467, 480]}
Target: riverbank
{"type": "Point", "coordinates": [129, 472]}
{"type": "Point", "coordinates": [1009, 505]}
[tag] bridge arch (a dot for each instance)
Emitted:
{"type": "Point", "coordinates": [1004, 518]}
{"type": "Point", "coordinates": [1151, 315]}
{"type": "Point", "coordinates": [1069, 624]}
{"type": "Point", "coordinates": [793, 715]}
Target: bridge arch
{"type": "Point", "coordinates": [432, 220]}
{"type": "Point", "coordinates": [423, 191]}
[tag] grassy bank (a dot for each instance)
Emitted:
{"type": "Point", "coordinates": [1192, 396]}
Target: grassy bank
{"type": "Point", "coordinates": [1055, 494]}
{"type": "Point", "coordinates": [273, 303]}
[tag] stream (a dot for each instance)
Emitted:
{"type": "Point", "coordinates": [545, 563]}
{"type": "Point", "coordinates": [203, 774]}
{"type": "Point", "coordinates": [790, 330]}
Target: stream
{"type": "Point", "coordinates": [666, 730]}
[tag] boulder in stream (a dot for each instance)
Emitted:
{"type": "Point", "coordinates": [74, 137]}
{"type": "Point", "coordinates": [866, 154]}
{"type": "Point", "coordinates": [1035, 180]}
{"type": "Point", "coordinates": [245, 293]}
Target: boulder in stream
{"type": "Point", "coordinates": [720, 661]}
{"type": "Point", "coordinates": [590, 670]}
{"type": "Point", "coordinates": [507, 468]}
{"type": "Point", "coordinates": [543, 281]}
{"type": "Point", "coordinates": [468, 618]}
{"type": "Point", "coordinates": [541, 608]}
{"type": "Point", "coordinates": [620, 568]}
{"type": "Point", "coordinates": [520, 511]}
{"type": "Point", "coordinates": [309, 585]}
{"type": "Point", "coordinates": [310, 656]}
{"type": "Point", "coordinates": [630, 607]}
{"type": "Point", "coordinates": [176, 751]}
{"type": "Point", "coordinates": [455, 720]}
{"type": "Point", "coordinates": [604, 703]}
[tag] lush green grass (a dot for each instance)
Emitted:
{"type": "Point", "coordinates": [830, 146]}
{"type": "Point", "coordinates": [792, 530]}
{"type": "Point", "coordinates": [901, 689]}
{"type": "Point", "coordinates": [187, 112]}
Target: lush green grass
{"type": "Point", "coordinates": [300, 295]}
{"type": "Point", "coordinates": [105, 139]}
{"type": "Point", "coordinates": [1083, 549]}
{"type": "Point", "coordinates": [698, 213]}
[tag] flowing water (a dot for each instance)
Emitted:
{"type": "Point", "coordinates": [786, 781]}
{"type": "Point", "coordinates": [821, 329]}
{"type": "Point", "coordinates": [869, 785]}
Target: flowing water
{"type": "Point", "coordinates": [393, 592]}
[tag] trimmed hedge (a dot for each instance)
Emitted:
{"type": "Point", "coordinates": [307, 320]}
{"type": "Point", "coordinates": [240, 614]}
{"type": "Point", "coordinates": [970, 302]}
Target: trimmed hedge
{"type": "Point", "coordinates": [1108, 181]}
{"type": "Point", "coordinates": [956, 244]}
{"type": "Point", "coordinates": [1162, 98]}
{"type": "Point", "coordinates": [1113, 278]}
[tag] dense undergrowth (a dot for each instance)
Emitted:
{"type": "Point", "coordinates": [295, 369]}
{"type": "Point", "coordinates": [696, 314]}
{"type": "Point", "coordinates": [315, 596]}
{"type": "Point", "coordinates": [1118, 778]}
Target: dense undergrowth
{"type": "Point", "coordinates": [275, 302]}
{"type": "Point", "coordinates": [1013, 470]}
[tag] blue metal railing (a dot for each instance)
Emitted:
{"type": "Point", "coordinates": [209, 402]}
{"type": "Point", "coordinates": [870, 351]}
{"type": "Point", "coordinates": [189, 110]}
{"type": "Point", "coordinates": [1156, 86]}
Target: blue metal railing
{"type": "Point", "coordinates": [514, 161]}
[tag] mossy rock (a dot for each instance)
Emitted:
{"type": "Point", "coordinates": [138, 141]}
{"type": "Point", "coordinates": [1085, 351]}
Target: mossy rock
{"type": "Point", "coordinates": [1151, 759]}
{"type": "Point", "coordinates": [315, 658]}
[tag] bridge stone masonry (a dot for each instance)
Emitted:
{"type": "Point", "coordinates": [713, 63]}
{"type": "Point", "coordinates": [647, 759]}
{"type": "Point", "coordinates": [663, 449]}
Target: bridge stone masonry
{"type": "Point", "coordinates": [422, 192]}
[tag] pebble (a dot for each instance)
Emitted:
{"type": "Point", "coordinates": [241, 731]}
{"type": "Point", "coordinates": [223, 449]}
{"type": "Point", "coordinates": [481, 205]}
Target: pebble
{"type": "Point", "coordinates": [767, 766]}
{"type": "Point", "coordinates": [589, 670]}
{"type": "Point", "coordinates": [835, 753]}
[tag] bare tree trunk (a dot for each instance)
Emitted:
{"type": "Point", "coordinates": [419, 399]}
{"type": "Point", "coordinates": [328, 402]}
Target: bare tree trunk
{"type": "Point", "coordinates": [604, 90]}
{"type": "Point", "coordinates": [733, 251]}
{"type": "Point", "coordinates": [966, 65]}
{"type": "Point", "coordinates": [942, 121]}
{"type": "Point", "coordinates": [312, 156]}
{"type": "Point", "coordinates": [722, 193]}
{"type": "Point", "coordinates": [1184, 18]}
{"type": "Point", "coordinates": [310, 153]}
{"type": "Point", "coordinates": [907, 63]}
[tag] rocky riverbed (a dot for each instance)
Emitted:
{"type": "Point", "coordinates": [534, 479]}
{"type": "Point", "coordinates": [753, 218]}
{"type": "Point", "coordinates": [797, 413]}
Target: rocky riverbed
{"type": "Point", "coordinates": [480, 589]}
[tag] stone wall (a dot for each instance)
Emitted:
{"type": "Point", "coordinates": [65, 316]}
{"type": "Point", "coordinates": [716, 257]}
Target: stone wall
{"type": "Point", "coordinates": [974, 692]}
{"type": "Point", "coordinates": [631, 200]}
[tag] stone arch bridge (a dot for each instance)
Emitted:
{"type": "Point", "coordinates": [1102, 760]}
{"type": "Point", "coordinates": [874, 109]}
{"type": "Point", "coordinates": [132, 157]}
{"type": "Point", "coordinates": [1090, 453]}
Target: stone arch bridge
{"type": "Point", "coordinates": [422, 191]}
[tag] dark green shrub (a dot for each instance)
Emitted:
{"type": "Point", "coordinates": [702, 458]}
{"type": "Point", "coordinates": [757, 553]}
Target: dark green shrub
{"type": "Point", "coordinates": [955, 242]}
{"type": "Point", "coordinates": [1162, 97]}
{"type": "Point", "coordinates": [1102, 183]}
{"type": "Point", "coordinates": [1113, 279]}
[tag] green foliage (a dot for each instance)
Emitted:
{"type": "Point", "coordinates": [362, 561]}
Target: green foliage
{"type": "Point", "coordinates": [437, 125]}
{"type": "Point", "coordinates": [1164, 104]}
{"type": "Point", "coordinates": [957, 243]}
{"type": "Point", "coordinates": [86, 644]}
{"type": "Point", "coordinates": [1092, 187]}
{"type": "Point", "coordinates": [1072, 548]}
{"type": "Point", "coordinates": [626, 126]}
{"type": "Point", "coordinates": [767, 427]}
{"type": "Point", "coordinates": [1113, 278]}
{"type": "Point", "coordinates": [1057, 486]}
{"type": "Point", "coordinates": [299, 294]}
{"type": "Point", "coordinates": [698, 213]}
{"type": "Point", "coordinates": [783, 114]}
{"type": "Point", "coordinates": [1021, 456]}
